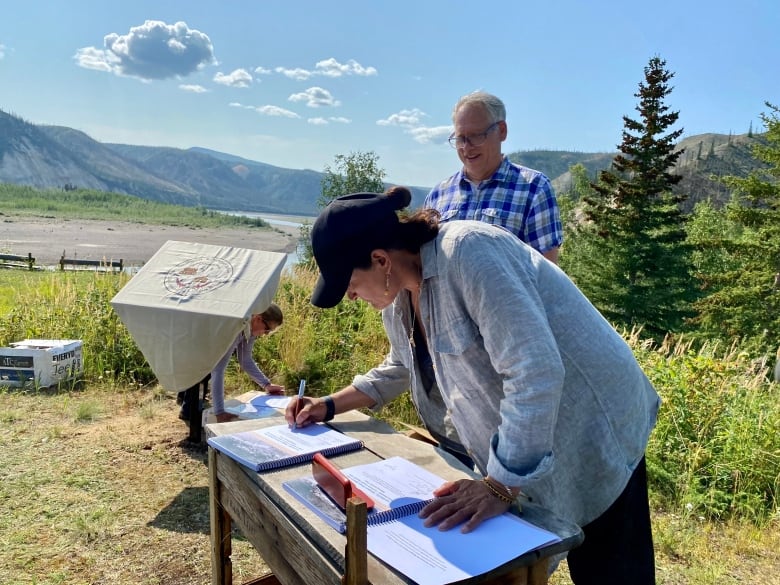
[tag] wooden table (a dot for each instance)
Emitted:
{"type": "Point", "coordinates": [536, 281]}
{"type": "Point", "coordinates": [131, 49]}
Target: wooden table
{"type": "Point", "coordinates": [300, 548]}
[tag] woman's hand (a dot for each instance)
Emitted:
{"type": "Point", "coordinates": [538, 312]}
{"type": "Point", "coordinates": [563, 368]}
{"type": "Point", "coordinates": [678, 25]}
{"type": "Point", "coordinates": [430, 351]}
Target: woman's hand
{"type": "Point", "coordinates": [274, 389]}
{"type": "Point", "coordinates": [226, 417]}
{"type": "Point", "coordinates": [463, 501]}
{"type": "Point", "coordinates": [311, 410]}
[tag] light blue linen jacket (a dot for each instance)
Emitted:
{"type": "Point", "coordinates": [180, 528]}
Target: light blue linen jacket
{"type": "Point", "coordinates": [543, 392]}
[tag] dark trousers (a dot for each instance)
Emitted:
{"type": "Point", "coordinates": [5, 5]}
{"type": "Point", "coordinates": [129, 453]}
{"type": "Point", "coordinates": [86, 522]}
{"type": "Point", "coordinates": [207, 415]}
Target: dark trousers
{"type": "Point", "coordinates": [618, 546]}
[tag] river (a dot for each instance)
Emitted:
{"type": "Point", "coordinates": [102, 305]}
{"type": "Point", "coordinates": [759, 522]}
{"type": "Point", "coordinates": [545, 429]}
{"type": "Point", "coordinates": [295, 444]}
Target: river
{"type": "Point", "coordinates": [279, 219]}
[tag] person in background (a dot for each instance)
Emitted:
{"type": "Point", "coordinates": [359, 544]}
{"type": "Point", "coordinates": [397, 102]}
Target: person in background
{"type": "Point", "coordinates": [489, 188]}
{"type": "Point", "coordinates": [261, 324]}
{"type": "Point", "coordinates": [547, 398]}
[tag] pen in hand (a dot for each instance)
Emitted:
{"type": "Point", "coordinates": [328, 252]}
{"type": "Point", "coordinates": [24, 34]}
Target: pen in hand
{"type": "Point", "coordinates": [298, 404]}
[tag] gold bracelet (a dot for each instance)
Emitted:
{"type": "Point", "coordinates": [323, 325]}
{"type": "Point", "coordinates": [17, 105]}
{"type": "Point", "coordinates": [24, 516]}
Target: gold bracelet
{"type": "Point", "coordinates": [493, 490]}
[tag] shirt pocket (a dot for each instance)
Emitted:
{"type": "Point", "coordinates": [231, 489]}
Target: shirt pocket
{"type": "Point", "coordinates": [496, 216]}
{"type": "Point", "coordinates": [449, 214]}
{"type": "Point", "coordinates": [454, 335]}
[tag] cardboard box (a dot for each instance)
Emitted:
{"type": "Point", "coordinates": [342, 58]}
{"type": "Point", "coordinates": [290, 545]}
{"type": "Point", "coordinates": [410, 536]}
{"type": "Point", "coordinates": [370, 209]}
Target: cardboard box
{"type": "Point", "coordinates": [40, 362]}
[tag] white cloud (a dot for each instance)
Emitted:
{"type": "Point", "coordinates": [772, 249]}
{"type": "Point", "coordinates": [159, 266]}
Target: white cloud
{"type": "Point", "coordinates": [410, 121]}
{"type": "Point", "coordinates": [266, 110]}
{"type": "Point", "coordinates": [153, 50]}
{"type": "Point", "coordinates": [404, 118]}
{"type": "Point", "coordinates": [332, 68]}
{"type": "Point", "coordinates": [328, 68]}
{"type": "Point", "coordinates": [297, 74]}
{"type": "Point", "coordinates": [425, 135]}
{"type": "Point", "coordinates": [323, 121]}
{"type": "Point", "coordinates": [315, 97]}
{"type": "Point", "coordinates": [237, 78]}
{"type": "Point", "coordinates": [262, 71]}
{"type": "Point", "coordinates": [276, 111]}
{"type": "Point", "coordinates": [2, 50]}
{"type": "Point", "coordinates": [193, 88]}
{"type": "Point", "coordinates": [97, 59]}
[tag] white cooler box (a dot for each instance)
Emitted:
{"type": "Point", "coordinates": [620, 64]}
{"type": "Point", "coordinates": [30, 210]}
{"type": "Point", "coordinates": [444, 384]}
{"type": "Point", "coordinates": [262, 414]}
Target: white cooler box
{"type": "Point", "coordinates": [40, 362]}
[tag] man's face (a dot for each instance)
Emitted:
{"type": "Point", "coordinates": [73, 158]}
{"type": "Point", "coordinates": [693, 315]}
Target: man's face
{"type": "Point", "coordinates": [479, 162]}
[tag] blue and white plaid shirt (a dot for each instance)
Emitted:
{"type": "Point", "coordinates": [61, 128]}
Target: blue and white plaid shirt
{"type": "Point", "coordinates": [515, 197]}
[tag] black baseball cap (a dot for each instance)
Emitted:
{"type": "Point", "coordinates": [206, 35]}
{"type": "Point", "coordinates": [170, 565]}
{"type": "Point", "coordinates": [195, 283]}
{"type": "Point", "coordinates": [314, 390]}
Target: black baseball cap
{"type": "Point", "coordinates": [345, 232]}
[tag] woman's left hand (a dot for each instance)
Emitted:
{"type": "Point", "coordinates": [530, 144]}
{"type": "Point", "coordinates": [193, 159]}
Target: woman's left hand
{"type": "Point", "coordinates": [464, 500]}
{"type": "Point", "coordinates": [226, 417]}
{"type": "Point", "coordinates": [274, 389]}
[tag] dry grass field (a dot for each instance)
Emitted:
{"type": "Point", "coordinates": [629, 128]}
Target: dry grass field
{"type": "Point", "coordinates": [100, 486]}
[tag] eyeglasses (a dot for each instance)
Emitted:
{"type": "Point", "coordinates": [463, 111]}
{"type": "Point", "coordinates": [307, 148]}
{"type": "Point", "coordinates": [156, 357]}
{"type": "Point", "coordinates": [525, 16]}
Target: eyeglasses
{"type": "Point", "coordinates": [479, 139]}
{"type": "Point", "coordinates": [267, 326]}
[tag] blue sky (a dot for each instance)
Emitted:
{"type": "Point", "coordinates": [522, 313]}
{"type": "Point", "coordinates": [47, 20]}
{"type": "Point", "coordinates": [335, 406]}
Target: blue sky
{"type": "Point", "coordinates": [295, 83]}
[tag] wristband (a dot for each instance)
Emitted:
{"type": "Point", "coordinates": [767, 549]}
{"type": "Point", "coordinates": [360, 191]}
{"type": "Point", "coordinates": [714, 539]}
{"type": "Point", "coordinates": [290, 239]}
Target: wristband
{"type": "Point", "coordinates": [504, 497]}
{"type": "Point", "coordinates": [330, 408]}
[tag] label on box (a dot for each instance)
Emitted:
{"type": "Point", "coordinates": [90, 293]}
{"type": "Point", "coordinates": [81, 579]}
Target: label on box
{"type": "Point", "coordinates": [41, 362]}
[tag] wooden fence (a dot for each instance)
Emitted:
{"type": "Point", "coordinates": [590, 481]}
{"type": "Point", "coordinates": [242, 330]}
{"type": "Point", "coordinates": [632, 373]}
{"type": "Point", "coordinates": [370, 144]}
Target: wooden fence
{"type": "Point", "coordinates": [105, 264]}
{"type": "Point", "coordinates": [28, 262]}
{"type": "Point", "coordinates": [18, 261]}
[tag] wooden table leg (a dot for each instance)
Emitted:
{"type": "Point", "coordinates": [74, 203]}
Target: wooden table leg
{"type": "Point", "coordinates": [221, 548]}
{"type": "Point", "coordinates": [538, 573]}
{"type": "Point", "coordinates": [356, 556]}
{"type": "Point", "coordinates": [535, 574]}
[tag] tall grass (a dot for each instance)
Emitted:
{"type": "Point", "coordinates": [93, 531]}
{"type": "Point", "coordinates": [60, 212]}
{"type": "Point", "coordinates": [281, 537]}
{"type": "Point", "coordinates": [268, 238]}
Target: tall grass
{"type": "Point", "coordinates": [716, 449]}
{"type": "Point", "coordinates": [75, 305]}
{"type": "Point", "coordinates": [715, 452]}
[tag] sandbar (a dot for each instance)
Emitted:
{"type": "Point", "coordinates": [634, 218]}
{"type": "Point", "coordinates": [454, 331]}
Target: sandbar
{"type": "Point", "coordinates": [133, 243]}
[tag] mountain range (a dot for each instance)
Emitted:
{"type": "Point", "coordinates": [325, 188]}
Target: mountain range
{"type": "Point", "coordinates": [46, 156]}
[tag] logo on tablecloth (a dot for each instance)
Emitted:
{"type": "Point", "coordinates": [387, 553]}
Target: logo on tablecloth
{"type": "Point", "coordinates": [197, 276]}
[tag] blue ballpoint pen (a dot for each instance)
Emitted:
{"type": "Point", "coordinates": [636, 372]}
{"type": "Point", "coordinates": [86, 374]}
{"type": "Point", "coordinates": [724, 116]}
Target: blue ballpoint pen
{"type": "Point", "coordinates": [301, 388]}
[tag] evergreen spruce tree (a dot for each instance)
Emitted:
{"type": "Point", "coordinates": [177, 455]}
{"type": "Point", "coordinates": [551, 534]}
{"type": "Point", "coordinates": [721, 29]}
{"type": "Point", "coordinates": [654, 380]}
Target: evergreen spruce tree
{"type": "Point", "coordinates": [639, 271]}
{"type": "Point", "coordinates": [743, 288]}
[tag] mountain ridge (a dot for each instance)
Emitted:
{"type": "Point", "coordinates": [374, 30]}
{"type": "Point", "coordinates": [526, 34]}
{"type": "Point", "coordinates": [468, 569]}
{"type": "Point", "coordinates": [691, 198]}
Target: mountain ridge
{"type": "Point", "coordinates": [48, 156]}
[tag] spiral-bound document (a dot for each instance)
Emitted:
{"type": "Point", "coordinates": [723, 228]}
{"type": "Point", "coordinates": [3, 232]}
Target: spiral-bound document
{"type": "Point", "coordinates": [396, 535]}
{"type": "Point", "coordinates": [281, 446]}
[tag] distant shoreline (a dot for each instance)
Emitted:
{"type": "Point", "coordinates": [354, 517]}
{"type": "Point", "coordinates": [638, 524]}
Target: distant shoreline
{"type": "Point", "coordinates": [133, 243]}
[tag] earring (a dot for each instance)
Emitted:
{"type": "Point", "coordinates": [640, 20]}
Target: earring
{"type": "Point", "coordinates": [387, 284]}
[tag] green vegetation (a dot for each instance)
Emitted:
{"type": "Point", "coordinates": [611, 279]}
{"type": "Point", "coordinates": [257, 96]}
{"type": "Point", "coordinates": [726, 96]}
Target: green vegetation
{"type": "Point", "coordinates": [20, 200]}
{"type": "Point", "coordinates": [738, 252]}
{"type": "Point", "coordinates": [353, 173]}
{"type": "Point", "coordinates": [712, 275]}
{"type": "Point", "coordinates": [635, 265]}
{"type": "Point", "coordinates": [715, 453]}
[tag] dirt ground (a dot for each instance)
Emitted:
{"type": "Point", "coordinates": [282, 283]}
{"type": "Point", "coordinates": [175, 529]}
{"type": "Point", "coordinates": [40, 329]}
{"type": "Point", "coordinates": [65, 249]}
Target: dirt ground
{"type": "Point", "coordinates": [102, 487]}
{"type": "Point", "coordinates": [133, 243]}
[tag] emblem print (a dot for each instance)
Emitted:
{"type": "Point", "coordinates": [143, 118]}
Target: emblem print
{"type": "Point", "coordinates": [198, 275]}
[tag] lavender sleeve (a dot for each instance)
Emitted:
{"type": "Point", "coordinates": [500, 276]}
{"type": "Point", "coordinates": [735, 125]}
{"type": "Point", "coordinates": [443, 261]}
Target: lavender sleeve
{"type": "Point", "coordinates": [248, 364]}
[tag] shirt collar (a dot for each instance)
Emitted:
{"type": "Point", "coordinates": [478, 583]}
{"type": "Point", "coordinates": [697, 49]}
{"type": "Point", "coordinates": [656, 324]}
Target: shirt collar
{"type": "Point", "coordinates": [499, 175]}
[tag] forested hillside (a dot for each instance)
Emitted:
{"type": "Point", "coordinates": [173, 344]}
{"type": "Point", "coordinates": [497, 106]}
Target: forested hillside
{"type": "Point", "coordinates": [60, 157]}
